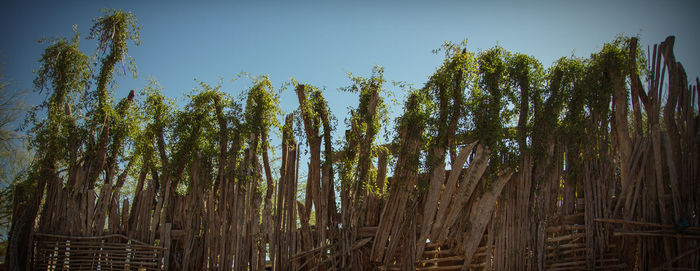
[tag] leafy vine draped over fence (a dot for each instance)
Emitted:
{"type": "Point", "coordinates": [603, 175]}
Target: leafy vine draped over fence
{"type": "Point", "coordinates": [499, 164]}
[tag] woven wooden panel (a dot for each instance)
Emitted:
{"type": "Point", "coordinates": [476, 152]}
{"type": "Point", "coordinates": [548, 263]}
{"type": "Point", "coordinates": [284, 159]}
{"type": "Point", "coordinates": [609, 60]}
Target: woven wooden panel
{"type": "Point", "coordinates": [109, 252]}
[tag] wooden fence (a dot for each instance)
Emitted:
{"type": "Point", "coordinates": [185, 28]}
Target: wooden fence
{"type": "Point", "coordinates": [627, 198]}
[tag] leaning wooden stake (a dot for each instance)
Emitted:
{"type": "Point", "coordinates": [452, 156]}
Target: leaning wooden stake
{"type": "Point", "coordinates": [480, 214]}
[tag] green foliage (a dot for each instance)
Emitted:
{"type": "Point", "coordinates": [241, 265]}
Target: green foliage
{"type": "Point", "coordinates": [316, 108]}
{"type": "Point", "coordinates": [365, 87]}
{"type": "Point", "coordinates": [157, 107]}
{"type": "Point", "coordinates": [155, 115]}
{"type": "Point", "coordinates": [493, 106]}
{"type": "Point", "coordinates": [347, 166]}
{"type": "Point", "coordinates": [314, 105]}
{"type": "Point", "coordinates": [64, 74]}
{"type": "Point", "coordinates": [446, 88]}
{"type": "Point", "coordinates": [112, 31]}
{"type": "Point", "coordinates": [262, 107]}
{"type": "Point", "coordinates": [364, 126]}
{"type": "Point", "coordinates": [197, 128]}
{"type": "Point", "coordinates": [64, 71]}
{"type": "Point", "coordinates": [570, 76]}
{"type": "Point", "coordinates": [525, 70]}
{"type": "Point", "coordinates": [418, 110]}
{"type": "Point", "coordinates": [577, 101]}
{"type": "Point", "coordinates": [606, 66]}
{"type": "Point", "coordinates": [75, 119]}
{"type": "Point", "coordinates": [527, 74]}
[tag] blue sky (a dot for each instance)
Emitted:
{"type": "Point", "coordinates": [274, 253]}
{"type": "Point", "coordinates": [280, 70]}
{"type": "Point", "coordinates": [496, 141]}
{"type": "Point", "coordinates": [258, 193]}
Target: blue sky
{"type": "Point", "coordinates": [318, 42]}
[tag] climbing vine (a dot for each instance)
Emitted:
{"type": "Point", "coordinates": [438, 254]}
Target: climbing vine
{"type": "Point", "coordinates": [447, 100]}
{"type": "Point", "coordinates": [365, 122]}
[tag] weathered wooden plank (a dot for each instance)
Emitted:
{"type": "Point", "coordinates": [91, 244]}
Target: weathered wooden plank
{"type": "Point", "coordinates": [480, 214]}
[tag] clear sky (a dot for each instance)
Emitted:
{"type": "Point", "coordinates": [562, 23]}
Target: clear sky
{"type": "Point", "coordinates": [318, 42]}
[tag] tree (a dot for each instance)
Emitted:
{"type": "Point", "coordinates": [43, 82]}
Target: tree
{"type": "Point", "coordinates": [15, 156]}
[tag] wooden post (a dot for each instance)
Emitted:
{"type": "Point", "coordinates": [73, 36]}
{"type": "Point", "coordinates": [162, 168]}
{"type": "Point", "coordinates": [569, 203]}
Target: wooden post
{"type": "Point", "coordinates": [166, 244]}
